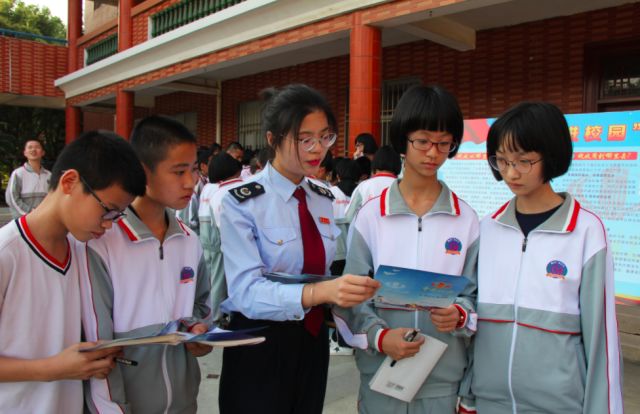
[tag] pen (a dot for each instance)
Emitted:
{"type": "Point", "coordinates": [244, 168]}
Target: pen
{"type": "Point", "coordinates": [125, 361]}
{"type": "Point", "coordinates": [409, 338]}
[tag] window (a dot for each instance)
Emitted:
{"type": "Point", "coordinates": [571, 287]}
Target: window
{"type": "Point", "coordinates": [392, 91]}
{"type": "Point", "coordinates": [188, 119]}
{"type": "Point", "coordinates": [612, 76]}
{"type": "Point", "coordinates": [250, 125]}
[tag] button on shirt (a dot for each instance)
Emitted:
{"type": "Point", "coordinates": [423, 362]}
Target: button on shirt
{"type": "Point", "coordinates": [262, 234]}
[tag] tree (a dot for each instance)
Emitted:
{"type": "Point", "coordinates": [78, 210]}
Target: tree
{"type": "Point", "coordinates": [29, 18]}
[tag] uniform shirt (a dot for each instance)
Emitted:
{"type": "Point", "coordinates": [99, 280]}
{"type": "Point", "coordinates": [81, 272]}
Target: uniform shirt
{"type": "Point", "coordinates": [39, 317]}
{"type": "Point", "coordinates": [133, 285]}
{"type": "Point", "coordinates": [262, 234]}
{"type": "Point", "coordinates": [205, 196]}
{"type": "Point", "coordinates": [340, 204]}
{"type": "Point", "coordinates": [26, 189]}
{"type": "Point", "coordinates": [367, 190]}
{"type": "Point", "coordinates": [189, 214]}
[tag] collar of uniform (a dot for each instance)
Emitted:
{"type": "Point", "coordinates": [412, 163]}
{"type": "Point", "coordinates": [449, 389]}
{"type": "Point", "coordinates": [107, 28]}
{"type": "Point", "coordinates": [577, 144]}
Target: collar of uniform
{"type": "Point", "coordinates": [281, 184]}
{"type": "Point", "coordinates": [562, 221]}
{"type": "Point", "coordinates": [391, 202]}
{"type": "Point", "coordinates": [137, 231]}
{"type": "Point", "coordinates": [28, 167]}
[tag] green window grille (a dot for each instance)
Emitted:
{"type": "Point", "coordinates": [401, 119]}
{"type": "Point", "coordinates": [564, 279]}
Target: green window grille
{"type": "Point", "coordinates": [185, 12]}
{"type": "Point", "coordinates": [102, 49]}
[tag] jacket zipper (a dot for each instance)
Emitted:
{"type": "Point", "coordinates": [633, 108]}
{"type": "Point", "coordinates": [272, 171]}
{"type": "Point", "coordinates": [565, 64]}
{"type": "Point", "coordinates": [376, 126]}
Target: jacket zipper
{"type": "Point", "coordinates": [161, 251]}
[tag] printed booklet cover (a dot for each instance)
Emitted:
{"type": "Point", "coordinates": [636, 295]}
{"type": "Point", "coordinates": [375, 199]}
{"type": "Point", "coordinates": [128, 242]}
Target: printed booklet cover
{"type": "Point", "coordinates": [169, 335]}
{"type": "Point", "coordinates": [411, 289]}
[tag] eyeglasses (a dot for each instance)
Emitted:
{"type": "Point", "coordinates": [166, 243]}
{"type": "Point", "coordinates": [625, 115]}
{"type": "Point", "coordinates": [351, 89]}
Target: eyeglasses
{"type": "Point", "coordinates": [501, 164]}
{"type": "Point", "coordinates": [422, 144]}
{"type": "Point", "coordinates": [110, 214]}
{"type": "Point", "coordinates": [308, 143]}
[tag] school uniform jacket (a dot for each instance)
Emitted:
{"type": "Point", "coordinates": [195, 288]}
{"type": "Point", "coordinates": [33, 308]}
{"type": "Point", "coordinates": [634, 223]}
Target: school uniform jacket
{"type": "Point", "coordinates": [26, 189]}
{"type": "Point", "coordinates": [340, 204]}
{"type": "Point", "coordinates": [367, 190]}
{"type": "Point", "coordinates": [444, 240]}
{"type": "Point", "coordinates": [134, 285]}
{"type": "Point", "coordinates": [39, 318]}
{"type": "Point", "coordinates": [547, 333]}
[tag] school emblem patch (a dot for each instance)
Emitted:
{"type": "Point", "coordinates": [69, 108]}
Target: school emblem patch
{"type": "Point", "coordinates": [453, 246]}
{"type": "Point", "coordinates": [557, 270]}
{"type": "Point", "coordinates": [186, 275]}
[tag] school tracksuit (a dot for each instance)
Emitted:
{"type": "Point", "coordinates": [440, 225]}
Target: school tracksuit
{"type": "Point", "coordinates": [133, 286]}
{"type": "Point", "coordinates": [26, 189]}
{"type": "Point", "coordinates": [445, 240]}
{"type": "Point", "coordinates": [547, 336]}
{"type": "Point", "coordinates": [365, 191]}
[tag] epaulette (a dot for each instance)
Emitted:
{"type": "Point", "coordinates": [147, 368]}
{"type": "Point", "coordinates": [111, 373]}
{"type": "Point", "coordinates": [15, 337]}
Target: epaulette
{"type": "Point", "coordinates": [320, 190]}
{"type": "Point", "coordinates": [247, 191]}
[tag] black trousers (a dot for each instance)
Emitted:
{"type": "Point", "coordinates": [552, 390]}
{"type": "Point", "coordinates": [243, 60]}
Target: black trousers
{"type": "Point", "coordinates": [286, 374]}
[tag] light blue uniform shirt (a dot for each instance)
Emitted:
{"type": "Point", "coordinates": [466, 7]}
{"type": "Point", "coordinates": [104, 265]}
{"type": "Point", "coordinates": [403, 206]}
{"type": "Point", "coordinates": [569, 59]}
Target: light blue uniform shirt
{"type": "Point", "coordinates": [262, 234]}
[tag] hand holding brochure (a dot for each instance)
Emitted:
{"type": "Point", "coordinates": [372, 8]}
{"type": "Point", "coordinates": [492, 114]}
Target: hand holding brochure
{"type": "Point", "coordinates": [411, 289]}
{"type": "Point", "coordinates": [169, 335]}
{"type": "Point", "coordinates": [403, 379]}
{"type": "Point", "coordinates": [287, 278]}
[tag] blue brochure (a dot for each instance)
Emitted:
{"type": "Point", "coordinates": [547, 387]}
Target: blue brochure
{"type": "Point", "coordinates": [411, 289]}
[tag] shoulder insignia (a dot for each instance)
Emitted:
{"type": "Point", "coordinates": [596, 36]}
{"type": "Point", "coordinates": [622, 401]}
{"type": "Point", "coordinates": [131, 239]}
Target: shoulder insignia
{"type": "Point", "coordinates": [320, 190]}
{"type": "Point", "coordinates": [247, 191]}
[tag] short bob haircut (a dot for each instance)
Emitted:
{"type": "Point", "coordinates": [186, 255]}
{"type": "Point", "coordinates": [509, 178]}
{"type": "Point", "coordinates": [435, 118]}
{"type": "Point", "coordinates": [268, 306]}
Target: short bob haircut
{"type": "Point", "coordinates": [102, 159]}
{"type": "Point", "coordinates": [429, 108]}
{"type": "Point", "coordinates": [223, 167]}
{"type": "Point", "coordinates": [368, 141]}
{"type": "Point", "coordinates": [285, 109]}
{"type": "Point", "coordinates": [533, 127]}
{"type": "Point", "coordinates": [387, 159]}
{"type": "Point", "coordinates": [155, 135]}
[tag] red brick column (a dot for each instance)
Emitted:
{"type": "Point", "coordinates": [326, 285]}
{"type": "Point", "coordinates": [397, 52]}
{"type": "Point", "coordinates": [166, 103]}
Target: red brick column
{"type": "Point", "coordinates": [73, 114]}
{"type": "Point", "coordinates": [125, 25]}
{"type": "Point", "coordinates": [364, 80]}
{"type": "Point", "coordinates": [124, 113]}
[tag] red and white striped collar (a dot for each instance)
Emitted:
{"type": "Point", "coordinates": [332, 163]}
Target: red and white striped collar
{"type": "Point", "coordinates": [384, 174]}
{"type": "Point", "coordinates": [36, 247]}
{"type": "Point", "coordinates": [231, 181]}
{"type": "Point", "coordinates": [562, 221]}
{"type": "Point", "coordinates": [391, 202]}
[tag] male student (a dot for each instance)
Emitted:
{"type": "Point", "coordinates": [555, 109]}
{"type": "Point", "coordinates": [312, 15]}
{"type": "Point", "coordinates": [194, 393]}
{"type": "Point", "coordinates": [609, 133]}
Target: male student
{"type": "Point", "coordinates": [41, 368]}
{"type": "Point", "coordinates": [28, 183]}
{"type": "Point", "coordinates": [145, 273]}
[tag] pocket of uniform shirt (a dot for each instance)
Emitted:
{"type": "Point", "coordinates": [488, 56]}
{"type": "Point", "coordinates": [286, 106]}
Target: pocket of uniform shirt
{"type": "Point", "coordinates": [279, 235]}
{"type": "Point", "coordinates": [330, 232]}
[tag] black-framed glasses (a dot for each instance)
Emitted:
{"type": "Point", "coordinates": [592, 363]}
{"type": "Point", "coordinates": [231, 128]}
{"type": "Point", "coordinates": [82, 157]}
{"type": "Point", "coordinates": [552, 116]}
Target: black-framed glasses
{"type": "Point", "coordinates": [423, 144]}
{"type": "Point", "coordinates": [522, 166]}
{"type": "Point", "coordinates": [110, 214]}
{"type": "Point", "coordinates": [308, 143]}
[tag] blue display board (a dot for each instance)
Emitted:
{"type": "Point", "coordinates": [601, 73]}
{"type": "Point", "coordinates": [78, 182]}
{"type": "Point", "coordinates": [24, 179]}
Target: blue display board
{"type": "Point", "coordinates": [604, 177]}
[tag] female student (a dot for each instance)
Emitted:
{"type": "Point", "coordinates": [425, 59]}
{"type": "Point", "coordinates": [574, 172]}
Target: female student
{"type": "Point", "coordinates": [283, 222]}
{"type": "Point", "coordinates": [416, 223]}
{"type": "Point", "coordinates": [547, 334]}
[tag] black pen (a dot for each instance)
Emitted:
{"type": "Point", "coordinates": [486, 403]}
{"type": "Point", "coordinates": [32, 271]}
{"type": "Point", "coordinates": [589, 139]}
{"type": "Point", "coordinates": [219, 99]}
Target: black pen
{"type": "Point", "coordinates": [409, 338]}
{"type": "Point", "coordinates": [125, 361]}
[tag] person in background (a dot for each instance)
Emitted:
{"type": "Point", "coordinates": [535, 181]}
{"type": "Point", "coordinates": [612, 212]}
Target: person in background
{"type": "Point", "coordinates": [326, 170]}
{"type": "Point", "coordinates": [189, 214]}
{"type": "Point", "coordinates": [365, 146]}
{"type": "Point", "coordinates": [386, 167]}
{"type": "Point", "coordinates": [28, 184]}
{"type": "Point", "coordinates": [364, 163]}
{"type": "Point", "coordinates": [236, 150]}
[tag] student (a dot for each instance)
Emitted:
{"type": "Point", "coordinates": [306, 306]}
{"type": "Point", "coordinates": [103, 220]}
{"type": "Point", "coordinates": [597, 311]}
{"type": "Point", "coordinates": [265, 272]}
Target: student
{"type": "Point", "coordinates": [283, 222]}
{"type": "Point", "coordinates": [236, 150]}
{"type": "Point", "coordinates": [348, 173]}
{"type": "Point", "coordinates": [547, 333]}
{"type": "Point", "coordinates": [225, 173]}
{"type": "Point", "coordinates": [365, 146]}
{"type": "Point", "coordinates": [439, 233]}
{"type": "Point", "coordinates": [94, 179]}
{"type": "Point", "coordinates": [28, 184]}
{"type": "Point", "coordinates": [386, 167]}
{"type": "Point", "coordinates": [145, 273]}
{"type": "Point", "coordinates": [326, 170]}
{"type": "Point", "coordinates": [189, 214]}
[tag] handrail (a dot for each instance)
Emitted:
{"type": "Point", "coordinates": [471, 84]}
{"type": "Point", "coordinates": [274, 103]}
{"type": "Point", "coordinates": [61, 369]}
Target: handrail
{"type": "Point", "coordinates": [31, 36]}
{"type": "Point", "coordinates": [185, 12]}
{"type": "Point", "coordinates": [102, 49]}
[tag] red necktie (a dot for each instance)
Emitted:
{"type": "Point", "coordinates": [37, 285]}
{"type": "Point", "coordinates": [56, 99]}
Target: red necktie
{"type": "Point", "coordinates": [314, 258]}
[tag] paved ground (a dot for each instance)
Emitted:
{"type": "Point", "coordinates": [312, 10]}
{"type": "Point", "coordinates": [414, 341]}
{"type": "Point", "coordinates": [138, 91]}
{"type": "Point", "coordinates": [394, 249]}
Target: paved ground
{"type": "Point", "coordinates": [344, 382]}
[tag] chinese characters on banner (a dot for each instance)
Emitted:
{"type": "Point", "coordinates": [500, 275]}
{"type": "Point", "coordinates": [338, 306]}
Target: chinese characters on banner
{"type": "Point", "coordinates": [604, 176]}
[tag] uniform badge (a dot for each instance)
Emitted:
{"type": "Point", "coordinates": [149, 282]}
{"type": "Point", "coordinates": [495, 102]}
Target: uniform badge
{"type": "Point", "coordinates": [186, 275]}
{"type": "Point", "coordinates": [324, 220]}
{"type": "Point", "coordinates": [557, 270]}
{"type": "Point", "coordinates": [247, 191]}
{"type": "Point", "coordinates": [453, 246]}
{"type": "Point", "coordinates": [320, 190]}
